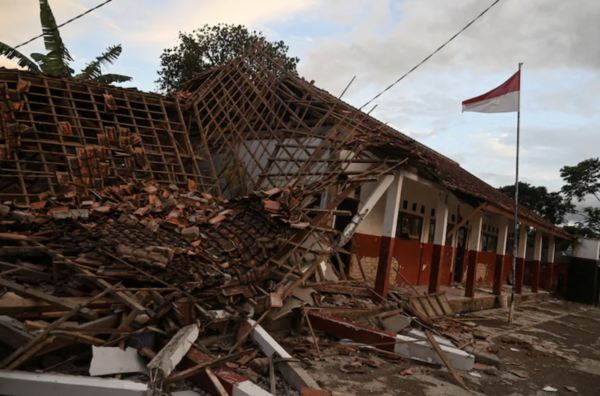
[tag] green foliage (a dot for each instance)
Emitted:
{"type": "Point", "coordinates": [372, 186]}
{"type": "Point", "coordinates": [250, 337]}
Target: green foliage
{"type": "Point", "coordinates": [111, 78]}
{"type": "Point", "coordinates": [22, 60]}
{"type": "Point", "coordinates": [579, 231]}
{"type": "Point", "coordinates": [591, 222]}
{"type": "Point", "coordinates": [212, 46]}
{"type": "Point", "coordinates": [56, 60]}
{"type": "Point", "coordinates": [582, 179]}
{"type": "Point", "coordinates": [551, 206]}
{"type": "Point", "coordinates": [93, 70]}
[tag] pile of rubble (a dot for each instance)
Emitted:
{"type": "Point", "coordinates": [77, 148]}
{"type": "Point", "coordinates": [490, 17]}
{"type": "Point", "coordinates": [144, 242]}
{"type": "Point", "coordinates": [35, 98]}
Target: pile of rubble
{"type": "Point", "coordinates": [166, 289]}
{"type": "Point", "coordinates": [133, 265]}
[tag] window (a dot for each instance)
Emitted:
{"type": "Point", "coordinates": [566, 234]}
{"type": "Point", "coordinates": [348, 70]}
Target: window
{"type": "Point", "coordinates": [449, 228]}
{"type": "Point", "coordinates": [409, 227]}
{"type": "Point", "coordinates": [489, 243]}
{"type": "Point", "coordinates": [423, 209]}
{"type": "Point", "coordinates": [431, 231]}
{"type": "Point", "coordinates": [405, 204]}
{"type": "Point", "coordinates": [414, 207]}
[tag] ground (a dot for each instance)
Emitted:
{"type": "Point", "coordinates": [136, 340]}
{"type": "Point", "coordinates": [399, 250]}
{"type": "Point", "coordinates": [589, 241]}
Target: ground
{"type": "Point", "coordinates": [551, 344]}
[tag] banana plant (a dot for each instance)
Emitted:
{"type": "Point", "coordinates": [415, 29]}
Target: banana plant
{"type": "Point", "coordinates": [57, 58]}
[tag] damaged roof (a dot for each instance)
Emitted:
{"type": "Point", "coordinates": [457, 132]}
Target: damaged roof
{"type": "Point", "coordinates": [311, 127]}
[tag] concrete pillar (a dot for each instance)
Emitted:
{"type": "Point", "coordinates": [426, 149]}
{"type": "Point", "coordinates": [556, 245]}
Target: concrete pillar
{"type": "Point", "coordinates": [439, 241]}
{"type": "Point", "coordinates": [550, 264]}
{"type": "Point", "coordinates": [521, 252]}
{"type": "Point", "coordinates": [474, 249]}
{"type": "Point", "coordinates": [500, 251]}
{"type": "Point", "coordinates": [536, 264]}
{"type": "Point", "coordinates": [390, 222]}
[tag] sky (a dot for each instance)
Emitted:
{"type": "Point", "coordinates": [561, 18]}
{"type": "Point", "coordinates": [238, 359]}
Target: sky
{"type": "Point", "coordinates": [378, 41]}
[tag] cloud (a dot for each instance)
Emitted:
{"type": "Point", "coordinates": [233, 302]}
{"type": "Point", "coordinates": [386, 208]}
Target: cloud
{"type": "Point", "coordinates": [420, 133]}
{"type": "Point", "coordinates": [561, 78]}
{"type": "Point", "coordinates": [544, 34]}
{"type": "Point", "coordinates": [105, 20]}
{"type": "Point", "coordinates": [378, 41]}
{"type": "Point", "coordinates": [160, 26]}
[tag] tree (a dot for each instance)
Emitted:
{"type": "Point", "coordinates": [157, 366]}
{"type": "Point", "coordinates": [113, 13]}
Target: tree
{"type": "Point", "coordinates": [582, 181]}
{"type": "Point", "coordinates": [551, 206]}
{"type": "Point", "coordinates": [212, 46]}
{"type": "Point", "coordinates": [56, 60]}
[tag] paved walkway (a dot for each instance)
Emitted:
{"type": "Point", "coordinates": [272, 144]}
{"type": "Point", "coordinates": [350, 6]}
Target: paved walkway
{"type": "Point", "coordinates": [457, 292]}
{"type": "Point", "coordinates": [554, 344]}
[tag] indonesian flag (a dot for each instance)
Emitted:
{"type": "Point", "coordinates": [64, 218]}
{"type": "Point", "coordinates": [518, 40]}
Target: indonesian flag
{"type": "Point", "coordinates": [503, 99]}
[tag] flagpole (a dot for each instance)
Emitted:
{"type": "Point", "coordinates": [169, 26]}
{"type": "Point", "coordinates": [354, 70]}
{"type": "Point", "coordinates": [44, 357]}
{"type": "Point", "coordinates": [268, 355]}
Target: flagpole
{"type": "Point", "coordinates": [515, 240]}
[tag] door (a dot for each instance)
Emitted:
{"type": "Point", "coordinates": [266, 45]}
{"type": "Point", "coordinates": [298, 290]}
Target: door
{"type": "Point", "coordinates": [461, 244]}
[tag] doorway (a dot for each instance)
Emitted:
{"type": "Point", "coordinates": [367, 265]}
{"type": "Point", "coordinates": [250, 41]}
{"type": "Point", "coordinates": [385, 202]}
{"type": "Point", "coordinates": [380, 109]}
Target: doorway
{"type": "Point", "coordinates": [461, 248]}
{"type": "Point", "coordinates": [341, 222]}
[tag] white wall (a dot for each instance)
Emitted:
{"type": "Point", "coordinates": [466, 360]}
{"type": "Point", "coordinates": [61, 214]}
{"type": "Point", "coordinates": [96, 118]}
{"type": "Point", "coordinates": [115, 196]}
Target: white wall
{"type": "Point", "coordinates": [587, 248]}
{"type": "Point", "coordinates": [413, 193]}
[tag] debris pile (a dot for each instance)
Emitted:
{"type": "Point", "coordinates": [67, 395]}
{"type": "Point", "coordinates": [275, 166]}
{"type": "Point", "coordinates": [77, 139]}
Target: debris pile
{"type": "Point", "coordinates": [132, 266]}
{"type": "Point", "coordinates": [141, 234]}
{"type": "Point", "coordinates": [151, 282]}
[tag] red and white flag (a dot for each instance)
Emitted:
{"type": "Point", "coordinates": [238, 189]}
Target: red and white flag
{"type": "Point", "coordinates": [503, 99]}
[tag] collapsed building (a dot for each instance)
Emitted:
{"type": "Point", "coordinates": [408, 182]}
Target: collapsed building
{"type": "Point", "coordinates": [140, 213]}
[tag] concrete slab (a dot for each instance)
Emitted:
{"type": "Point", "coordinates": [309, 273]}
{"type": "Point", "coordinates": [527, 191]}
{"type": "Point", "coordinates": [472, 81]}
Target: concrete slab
{"type": "Point", "coordinates": [424, 351]}
{"type": "Point", "coordinates": [395, 323]}
{"type": "Point", "coordinates": [167, 358]}
{"type": "Point", "coordinates": [420, 335]}
{"type": "Point", "coordinates": [113, 360]}
{"type": "Point", "coordinates": [293, 372]}
{"type": "Point", "coordinates": [248, 388]}
{"type": "Point", "coordinates": [20, 383]}
{"type": "Point", "coordinates": [366, 334]}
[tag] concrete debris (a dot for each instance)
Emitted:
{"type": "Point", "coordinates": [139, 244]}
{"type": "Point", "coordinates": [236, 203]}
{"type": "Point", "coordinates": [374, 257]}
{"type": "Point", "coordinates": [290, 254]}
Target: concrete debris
{"type": "Point", "coordinates": [20, 383]}
{"type": "Point", "coordinates": [167, 359]}
{"type": "Point", "coordinates": [395, 323]}
{"type": "Point", "coordinates": [113, 360]}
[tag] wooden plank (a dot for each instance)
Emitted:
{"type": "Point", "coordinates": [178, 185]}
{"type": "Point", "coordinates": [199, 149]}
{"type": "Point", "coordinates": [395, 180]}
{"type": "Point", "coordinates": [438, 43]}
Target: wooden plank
{"type": "Point", "coordinates": [426, 307]}
{"type": "Point", "coordinates": [194, 370]}
{"type": "Point", "coordinates": [447, 361]}
{"type": "Point", "coordinates": [439, 312]}
{"type": "Point", "coordinates": [126, 297]}
{"type": "Point", "coordinates": [272, 379]}
{"type": "Point", "coordinates": [443, 300]}
{"type": "Point", "coordinates": [416, 304]}
{"type": "Point", "coordinates": [464, 221]}
{"type": "Point", "coordinates": [107, 322]}
{"type": "Point", "coordinates": [427, 304]}
{"type": "Point", "coordinates": [216, 382]}
{"type": "Point", "coordinates": [14, 306]}
{"type": "Point", "coordinates": [12, 333]}
{"type": "Point", "coordinates": [312, 332]}
{"type": "Point", "coordinates": [52, 300]}
{"type": "Point", "coordinates": [10, 360]}
{"type": "Point", "coordinates": [343, 289]}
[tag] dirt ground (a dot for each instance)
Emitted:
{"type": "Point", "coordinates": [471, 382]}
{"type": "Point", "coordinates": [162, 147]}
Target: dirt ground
{"type": "Point", "coordinates": [553, 344]}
